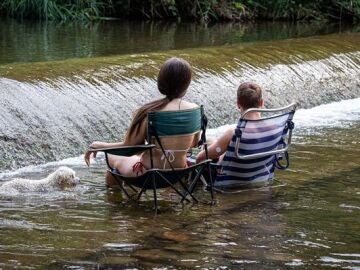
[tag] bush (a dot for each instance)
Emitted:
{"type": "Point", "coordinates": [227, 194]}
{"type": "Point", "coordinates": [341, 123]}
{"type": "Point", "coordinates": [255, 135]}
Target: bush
{"type": "Point", "coordinates": [195, 10]}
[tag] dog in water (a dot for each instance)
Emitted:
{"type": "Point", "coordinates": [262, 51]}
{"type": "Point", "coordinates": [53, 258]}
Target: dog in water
{"type": "Point", "coordinates": [60, 179]}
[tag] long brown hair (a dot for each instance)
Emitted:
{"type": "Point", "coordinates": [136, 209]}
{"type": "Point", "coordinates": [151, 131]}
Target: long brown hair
{"type": "Point", "coordinates": [173, 80]}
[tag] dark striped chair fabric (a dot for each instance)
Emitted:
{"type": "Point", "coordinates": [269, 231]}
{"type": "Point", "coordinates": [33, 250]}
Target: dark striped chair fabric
{"type": "Point", "coordinates": [256, 137]}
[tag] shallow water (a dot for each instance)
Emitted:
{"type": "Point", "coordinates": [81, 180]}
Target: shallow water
{"type": "Point", "coordinates": [309, 218]}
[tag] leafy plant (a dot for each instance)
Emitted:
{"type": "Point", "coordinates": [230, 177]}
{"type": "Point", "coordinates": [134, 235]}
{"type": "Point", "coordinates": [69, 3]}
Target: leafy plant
{"type": "Point", "coordinates": [198, 10]}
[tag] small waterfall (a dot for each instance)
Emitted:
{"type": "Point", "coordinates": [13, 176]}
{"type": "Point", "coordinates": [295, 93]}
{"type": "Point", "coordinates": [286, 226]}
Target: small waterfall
{"type": "Point", "coordinates": [52, 118]}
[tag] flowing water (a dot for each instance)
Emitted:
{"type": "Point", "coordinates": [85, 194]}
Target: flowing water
{"type": "Point", "coordinates": [51, 110]}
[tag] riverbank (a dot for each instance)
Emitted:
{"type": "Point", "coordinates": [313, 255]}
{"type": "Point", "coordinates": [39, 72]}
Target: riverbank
{"type": "Point", "coordinates": [199, 10]}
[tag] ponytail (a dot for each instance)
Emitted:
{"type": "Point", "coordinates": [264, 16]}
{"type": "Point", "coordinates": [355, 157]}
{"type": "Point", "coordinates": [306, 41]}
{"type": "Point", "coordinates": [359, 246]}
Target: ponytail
{"type": "Point", "coordinates": [173, 80]}
{"type": "Point", "coordinates": [141, 114]}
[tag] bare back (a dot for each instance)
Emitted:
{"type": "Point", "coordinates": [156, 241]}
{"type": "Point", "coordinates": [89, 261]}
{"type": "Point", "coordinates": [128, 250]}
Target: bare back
{"type": "Point", "coordinates": [176, 146]}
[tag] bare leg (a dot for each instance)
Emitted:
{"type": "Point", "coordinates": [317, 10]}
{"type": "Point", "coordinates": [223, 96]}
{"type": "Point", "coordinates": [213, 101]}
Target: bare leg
{"type": "Point", "coordinates": [110, 181]}
{"type": "Point", "coordinates": [124, 165]}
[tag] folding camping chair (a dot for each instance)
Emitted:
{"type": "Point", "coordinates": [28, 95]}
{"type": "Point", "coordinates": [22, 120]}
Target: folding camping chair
{"type": "Point", "coordinates": [163, 124]}
{"type": "Point", "coordinates": [257, 148]}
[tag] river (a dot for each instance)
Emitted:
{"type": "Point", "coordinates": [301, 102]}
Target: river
{"type": "Point", "coordinates": [62, 86]}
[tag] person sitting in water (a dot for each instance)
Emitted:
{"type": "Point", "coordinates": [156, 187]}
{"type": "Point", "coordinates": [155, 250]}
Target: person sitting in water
{"type": "Point", "coordinates": [173, 81]}
{"type": "Point", "coordinates": [249, 95]}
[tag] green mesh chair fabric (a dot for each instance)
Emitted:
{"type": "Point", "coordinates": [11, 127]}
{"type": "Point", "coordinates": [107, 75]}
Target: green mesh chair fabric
{"type": "Point", "coordinates": [172, 123]}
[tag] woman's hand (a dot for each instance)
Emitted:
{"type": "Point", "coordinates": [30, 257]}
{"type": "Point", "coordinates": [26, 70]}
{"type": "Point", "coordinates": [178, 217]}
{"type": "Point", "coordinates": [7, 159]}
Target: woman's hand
{"type": "Point", "coordinates": [94, 146]}
{"type": "Point", "coordinates": [87, 156]}
{"type": "Point", "coordinates": [92, 151]}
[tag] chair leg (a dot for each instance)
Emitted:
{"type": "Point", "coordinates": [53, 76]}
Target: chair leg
{"type": "Point", "coordinates": [196, 179]}
{"type": "Point", "coordinates": [143, 188]}
{"type": "Point", "coordinates": [187, 192]}
{"type": "Point", "coordinates": [121, 185]}
{"type": "Point", "coordinates": [134, 189]}
{"type": "Point", "coordinates": [190, 190]}
{"type": "Point", "coordinates": [211, 184]}
{"type": "Point", "coordinates": [126, 193]}
{"type": "Point", "coordinates": [155, 195]}
{"type": "Point", "coordinates": [172, 186]}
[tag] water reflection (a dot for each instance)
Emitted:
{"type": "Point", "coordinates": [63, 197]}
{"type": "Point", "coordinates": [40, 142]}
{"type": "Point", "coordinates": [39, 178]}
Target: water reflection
{"type": "Point", "coordinates": [30, 41]}
{"type": "Point", "coordinates": [310, 221]}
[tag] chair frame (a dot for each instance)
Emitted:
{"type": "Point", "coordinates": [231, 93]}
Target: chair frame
{"type": "Point", "coordinates": [290, 108]}
{"type": "Point", "coordinates": [159, 178]}
{"type": "Point", "coordinates": [284, 150]}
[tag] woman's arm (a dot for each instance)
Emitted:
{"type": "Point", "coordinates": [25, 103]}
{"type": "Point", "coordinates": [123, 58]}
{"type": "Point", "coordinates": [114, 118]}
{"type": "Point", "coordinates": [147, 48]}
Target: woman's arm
{"type": "Point", "coordinates": [216, 149]}
{"type": "Point", "coordinates": [99, 145]}
{"type": "Point", "coordinates": [196, 140]}
{"type": "Point", "coordinates": [134, 139]}
{"type": "Point", "coordinates": [137, 137]}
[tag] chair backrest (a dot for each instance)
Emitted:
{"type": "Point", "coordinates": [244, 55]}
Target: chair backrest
{"type": "Point", "coordinates": [172, 123]}
{"type": "Point", "coordinates": [175, 123]}
{"type": "Point", "coordinates": [256, 146]}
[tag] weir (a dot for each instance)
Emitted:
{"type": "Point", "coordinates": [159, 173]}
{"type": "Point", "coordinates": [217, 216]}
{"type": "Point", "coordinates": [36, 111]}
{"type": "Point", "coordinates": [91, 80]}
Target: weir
{"type": "Point", "coordinates": [53, 110]}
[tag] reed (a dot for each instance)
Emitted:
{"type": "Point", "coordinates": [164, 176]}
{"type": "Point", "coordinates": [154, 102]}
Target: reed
{"type": "Point", "coordinates": [196, 10]}
{"type": "Point", "coordinates": [56, 9]}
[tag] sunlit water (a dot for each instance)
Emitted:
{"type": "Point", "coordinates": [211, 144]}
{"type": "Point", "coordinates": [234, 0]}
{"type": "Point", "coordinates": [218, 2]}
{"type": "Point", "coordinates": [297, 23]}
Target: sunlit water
{"type": "Point", "coordinates": [309, 218]}
{"type": "Point", "coordinates": [56, 108]}
{"type": "Point", "coordinates": [62, 86]}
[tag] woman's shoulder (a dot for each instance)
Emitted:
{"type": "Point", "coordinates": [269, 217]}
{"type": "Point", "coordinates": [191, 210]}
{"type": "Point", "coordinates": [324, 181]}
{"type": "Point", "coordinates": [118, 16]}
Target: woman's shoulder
{"type": "Point", "coordinates": [179, 104]}
{"type": "Point", "coordinates": [188, 105]}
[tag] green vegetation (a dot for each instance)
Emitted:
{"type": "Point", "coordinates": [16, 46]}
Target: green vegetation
{"type": "Point", "coordinates": [199, 10]}
{"type": "Point", "coordinates": [59, 10]}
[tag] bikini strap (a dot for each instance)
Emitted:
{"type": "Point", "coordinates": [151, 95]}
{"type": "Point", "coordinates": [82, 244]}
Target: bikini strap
{"type": "Point", "coordinates": [180, 103]}
{"type": "Point", "coordinates": [154, 132]}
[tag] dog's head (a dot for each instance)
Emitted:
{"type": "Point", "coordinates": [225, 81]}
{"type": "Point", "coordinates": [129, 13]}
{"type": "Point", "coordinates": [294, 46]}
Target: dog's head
{"type": "Point", "coordinates": [64, 177]}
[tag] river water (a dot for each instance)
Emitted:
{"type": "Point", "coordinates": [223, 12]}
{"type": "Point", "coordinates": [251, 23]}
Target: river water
{"type": "Point", "coordinates": [57, 99]}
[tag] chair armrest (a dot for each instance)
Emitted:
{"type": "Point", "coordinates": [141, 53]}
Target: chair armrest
{"type": "Point", "coordinates": [125, 150]}
{"type": "Point", "coordinates": [262, 154]}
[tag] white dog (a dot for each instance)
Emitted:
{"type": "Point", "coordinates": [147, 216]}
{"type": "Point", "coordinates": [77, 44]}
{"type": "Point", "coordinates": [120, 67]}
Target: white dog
{"type": "Point", "coordinates": [62, 178]}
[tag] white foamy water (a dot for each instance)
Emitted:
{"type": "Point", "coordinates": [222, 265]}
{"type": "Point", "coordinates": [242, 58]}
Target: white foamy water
{"type": "Point", "coordinates": [71, 162]}
{"type": "Point", "coordinates": [306, 243]}
{"type": "Point", "coordinates": [295, 262]}
{"type": "Point", "coordinates": [337, 114]}
{"type": "Point", "coordinates": [74, 161]}
{"type": "Point", "coordinates": [336, 260]}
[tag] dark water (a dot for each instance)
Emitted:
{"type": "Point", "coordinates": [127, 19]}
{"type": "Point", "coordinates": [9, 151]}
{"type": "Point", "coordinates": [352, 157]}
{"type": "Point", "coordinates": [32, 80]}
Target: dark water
{"type": "Point", "coordinates": [50, 110]}
{"type": "Point", "coordinates": [32, 41]}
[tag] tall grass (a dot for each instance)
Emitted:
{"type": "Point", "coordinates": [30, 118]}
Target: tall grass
{"type": "Point", "coordinates": [56, 9]}
{"type": "Point", "coordinates": [310, 9]}
{"type": "Point", "coordinates": [199, 10]}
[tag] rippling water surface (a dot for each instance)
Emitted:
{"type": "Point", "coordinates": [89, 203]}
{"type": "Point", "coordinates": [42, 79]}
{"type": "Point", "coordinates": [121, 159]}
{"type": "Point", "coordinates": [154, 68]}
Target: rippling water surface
{"type": "Point", "coordinates": [309, 218]}
{"type": "Point", "coordinates": [51, 110]}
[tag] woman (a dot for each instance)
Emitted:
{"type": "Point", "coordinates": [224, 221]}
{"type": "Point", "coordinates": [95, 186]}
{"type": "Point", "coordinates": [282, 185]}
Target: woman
{"type": "Point", "coordinates": [173, 81]}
